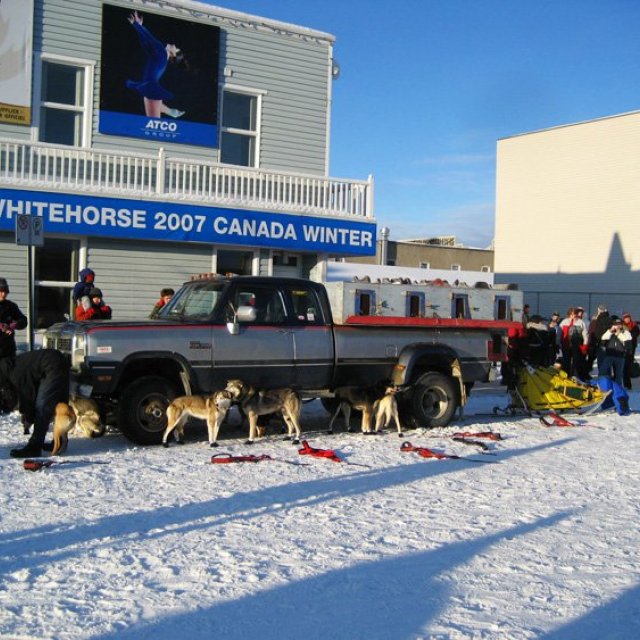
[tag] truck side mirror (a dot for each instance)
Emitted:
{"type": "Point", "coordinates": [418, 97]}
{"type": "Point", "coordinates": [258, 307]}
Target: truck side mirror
{"type": "Point", "coordinates": [245, 313]}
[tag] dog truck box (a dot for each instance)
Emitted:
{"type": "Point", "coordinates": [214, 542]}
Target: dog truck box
{"type": "Point", "coordinates": [431, 340]}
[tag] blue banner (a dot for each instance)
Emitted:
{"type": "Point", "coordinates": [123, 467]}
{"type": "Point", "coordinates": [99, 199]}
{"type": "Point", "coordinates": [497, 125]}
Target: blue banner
{"type": "Point", "coordinates": [150, 220]}
{"type": "Point", "coordinates": [159, 129]}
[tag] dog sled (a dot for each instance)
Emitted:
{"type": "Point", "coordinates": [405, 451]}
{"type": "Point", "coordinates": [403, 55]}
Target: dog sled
{"type": "Point", "coordinates": [537, 390]}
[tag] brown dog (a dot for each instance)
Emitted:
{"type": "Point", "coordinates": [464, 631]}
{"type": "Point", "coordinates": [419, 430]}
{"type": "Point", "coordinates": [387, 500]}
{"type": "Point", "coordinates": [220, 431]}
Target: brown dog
{"type": "Point", "coordinates": [80, 412]}
{"type": "Point", "coordinates": [386, 408]}
{"type": "Point", "coordinates": [256, 403]}
{"type": "Point", "coordinates": [211, 408]}
{"type": "Point", "coordinates": [358, 398]}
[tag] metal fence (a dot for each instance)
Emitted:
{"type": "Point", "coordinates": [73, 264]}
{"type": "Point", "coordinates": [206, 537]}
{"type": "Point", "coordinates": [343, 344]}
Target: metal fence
{"type": "Point", "coordinates": [545, 303]}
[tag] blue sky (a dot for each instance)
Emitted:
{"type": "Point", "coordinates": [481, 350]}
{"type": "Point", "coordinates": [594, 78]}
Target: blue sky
{"type": "Point", "coordinates": [427, 87]}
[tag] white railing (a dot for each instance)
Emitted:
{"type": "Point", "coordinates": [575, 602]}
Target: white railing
{"type": "Point", "coordinates": [125, 174]}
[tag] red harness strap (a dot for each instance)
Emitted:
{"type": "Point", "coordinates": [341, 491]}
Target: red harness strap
{"type": "Point", "coordinates": [318, 453]}
{"type": "Point", "coordinates": [425, 453]}
{"type": "Point", "coordinates": [556, 421]}
{"type": "Point", "coordinates": [488, 435]}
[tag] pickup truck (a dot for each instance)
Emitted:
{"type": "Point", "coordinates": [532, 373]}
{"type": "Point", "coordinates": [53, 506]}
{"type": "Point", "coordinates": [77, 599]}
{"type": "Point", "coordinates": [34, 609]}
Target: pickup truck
{"type": "Point", "coordinates": [277, 332]}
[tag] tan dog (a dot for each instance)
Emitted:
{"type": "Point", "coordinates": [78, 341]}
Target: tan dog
{"type": "Point", "coordinates": [211, 408]}
{"type": "Point", "coordinates": [386, 408]}
{"type": "Point", "coordinates": [80, 412]}
{"type": "Point", "coordinates": [256, 403]}
{"type": "Point", "coordinates": [358, 398]}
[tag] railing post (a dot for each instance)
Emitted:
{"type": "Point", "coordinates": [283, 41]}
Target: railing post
{"type": "Point", "coordinates": [160, 171]}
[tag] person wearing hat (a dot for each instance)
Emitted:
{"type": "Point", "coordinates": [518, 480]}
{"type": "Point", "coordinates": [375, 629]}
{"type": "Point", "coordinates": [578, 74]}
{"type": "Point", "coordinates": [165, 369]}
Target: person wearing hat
{"type": "Point", "coordinates": [554, 329]}
{"type": "Point", "coordinates": [632, 327]}
{"type": "Point", "coordinates": [93, 307]}
{"type": "Point", "coordinates": [614, 345]}
{"type": "Point", "coordinates": [11, 320]}
{"type": "Point", "coordinates": [84, 285]}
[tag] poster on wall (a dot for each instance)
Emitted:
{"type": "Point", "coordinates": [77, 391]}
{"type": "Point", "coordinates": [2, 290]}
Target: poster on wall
{"type": "Point", "coordinates": [159, 77]}
{"type": "Point", "coordinates": [16, 33]}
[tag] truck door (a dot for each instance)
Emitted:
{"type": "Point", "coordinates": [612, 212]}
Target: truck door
{"type": "Point", "coordinates": [312, 338]}
{"type": "Point", "coordinates": [262, 353]}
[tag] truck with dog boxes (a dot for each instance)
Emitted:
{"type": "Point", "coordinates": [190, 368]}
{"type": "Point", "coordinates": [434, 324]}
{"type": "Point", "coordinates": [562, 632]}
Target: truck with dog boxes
{"type": "Point", "coordinates": [431, 340]}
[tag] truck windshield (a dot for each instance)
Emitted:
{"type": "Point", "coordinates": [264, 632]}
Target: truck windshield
{"type": "Point", "coordinates": [193, 302]}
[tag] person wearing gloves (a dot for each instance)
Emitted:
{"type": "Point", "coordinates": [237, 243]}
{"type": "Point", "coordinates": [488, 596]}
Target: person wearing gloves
{"type": "Point", "coordinates": [93, 307]}
{"type": "Point", "coordinates": [11, 320]}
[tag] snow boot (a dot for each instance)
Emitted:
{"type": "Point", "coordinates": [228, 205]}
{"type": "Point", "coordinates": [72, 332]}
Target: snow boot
{"type": "Point", "coordinates": [30, 450]}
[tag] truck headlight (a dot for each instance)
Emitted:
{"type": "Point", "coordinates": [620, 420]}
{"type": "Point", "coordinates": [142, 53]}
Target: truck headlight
{"type": "Point", "coordinates": [78, 351]}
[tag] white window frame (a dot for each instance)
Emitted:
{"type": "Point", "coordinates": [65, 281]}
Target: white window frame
{"type": "Point", "coordinates": [256, 135]}
{"type": "Point", "coordinates": [456, 267]}
{"type": "Point", "coordinates": [424, 265]}
{"type": "Point", "coordinates": [485, 269]}
{"type": "Point", "coordinates": [86, 109]}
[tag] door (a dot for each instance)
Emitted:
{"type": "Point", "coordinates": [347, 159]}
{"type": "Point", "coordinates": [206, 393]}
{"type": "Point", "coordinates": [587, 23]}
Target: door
{"type": "Point", "coordinates": [262, 353]}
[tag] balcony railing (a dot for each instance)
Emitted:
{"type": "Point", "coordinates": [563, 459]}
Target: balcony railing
{"type": "Point", "coordinates": [36, 164]}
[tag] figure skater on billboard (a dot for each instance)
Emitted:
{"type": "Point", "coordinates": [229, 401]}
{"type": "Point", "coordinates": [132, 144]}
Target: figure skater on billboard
{"type": "Point", "coordinates": [158, 57]}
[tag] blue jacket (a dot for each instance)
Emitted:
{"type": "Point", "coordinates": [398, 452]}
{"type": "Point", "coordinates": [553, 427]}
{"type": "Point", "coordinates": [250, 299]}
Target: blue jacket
{"type": "Point", "coordinates": [83, 287]}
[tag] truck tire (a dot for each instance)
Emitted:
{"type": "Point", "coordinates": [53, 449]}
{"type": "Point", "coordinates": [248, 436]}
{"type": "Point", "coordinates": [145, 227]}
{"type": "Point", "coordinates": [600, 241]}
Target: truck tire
{"type": "Point", "coordinates": [142, 416]}
{"type": "Point", "coordinates": [434, 400]}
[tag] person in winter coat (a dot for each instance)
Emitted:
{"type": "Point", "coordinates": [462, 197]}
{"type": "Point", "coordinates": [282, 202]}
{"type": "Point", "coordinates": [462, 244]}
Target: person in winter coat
{"type": "Point", "coordinates": [34, 383]}
{"type": "Point", "coordinates": [165, 296]}
{"type": "Point", "coordinates": [600, 323]}
{"type": "Point", "coordinates": [93, 307]}
{"type": "Point", "coordinates": [632, 327]}
{"type": "Point", "coordinates": [573, 343]}
{"type": "Point", "coordinates": [84, 286]}
{"type": "Point", "coordinates": [615, 343]}
{"type": "Point", "coordinates": [541, 343]}
{"type": "Point", "coordinates": [11, 320]}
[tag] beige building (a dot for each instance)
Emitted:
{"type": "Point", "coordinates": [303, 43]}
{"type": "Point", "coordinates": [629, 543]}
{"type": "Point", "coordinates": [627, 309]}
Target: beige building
{"type": "Point", "coordinates": [568, 215]}
{"type": "Point", "coordinates": [429, 253]}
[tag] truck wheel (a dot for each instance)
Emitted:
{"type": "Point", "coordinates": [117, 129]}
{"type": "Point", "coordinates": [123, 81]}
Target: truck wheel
{"type": "Point", "coordinates": [433, 400]}
{"type": "Point", "coordinates": [142, 415]}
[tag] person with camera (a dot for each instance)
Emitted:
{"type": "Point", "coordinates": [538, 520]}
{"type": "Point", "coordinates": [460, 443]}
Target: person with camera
{"type": "Point", "coordinates": [615, 343]}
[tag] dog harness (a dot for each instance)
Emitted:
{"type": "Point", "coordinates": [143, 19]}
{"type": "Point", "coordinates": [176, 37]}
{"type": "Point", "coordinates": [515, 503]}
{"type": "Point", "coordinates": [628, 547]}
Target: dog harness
{"type": "Point", "coordinates": [318, 453]}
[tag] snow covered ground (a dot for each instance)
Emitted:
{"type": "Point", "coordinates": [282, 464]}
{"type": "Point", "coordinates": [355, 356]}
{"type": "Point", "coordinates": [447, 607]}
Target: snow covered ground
{"type": "Point", "coordinates": [162, 544]}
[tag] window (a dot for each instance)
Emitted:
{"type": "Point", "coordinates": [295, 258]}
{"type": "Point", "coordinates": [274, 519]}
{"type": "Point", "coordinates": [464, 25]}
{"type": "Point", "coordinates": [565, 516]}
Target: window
{"type": "Point", "coordinates": [485, 269]}
{"type": "Point", "coordinates": [502, 308]}
{"type": "Point", "coordinates": [56, 264]}
{"type": "Point", "coordinates": [306, 307]}
{"type": "Point", "coordinates": [239, 141]}
{"type": "Point", "coordinates": [64, 100]}
{"type": "Point", "coordinates": [365, 302]}
{"type": "Point", "coordinates": [456, 267]}
{"type": "Point", "coordinates": [415, 304]}
{"type": "Point", "coordinates": [425, 265]}
{"type": "Point", "coordinates": [266, 300]}
{"type": "Point", "coordinates": [460, 306]}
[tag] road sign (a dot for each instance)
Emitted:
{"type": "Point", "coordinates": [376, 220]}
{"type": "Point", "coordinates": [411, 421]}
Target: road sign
{"type": "Point", "coordinates": [29, 230]}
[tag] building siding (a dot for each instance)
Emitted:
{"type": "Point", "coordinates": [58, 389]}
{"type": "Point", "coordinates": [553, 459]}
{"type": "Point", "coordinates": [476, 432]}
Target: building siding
{"type": "Point", "coordinates": [131, 277]}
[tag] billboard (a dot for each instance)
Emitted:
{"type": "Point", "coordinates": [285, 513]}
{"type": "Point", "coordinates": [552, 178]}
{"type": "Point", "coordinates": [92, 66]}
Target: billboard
{"type": "Point", "coordinates": [159, 77]}
{"type": "Point", "coordinates": [16, 33]}
{"type": "Point", "coordinates": [154, 220]}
